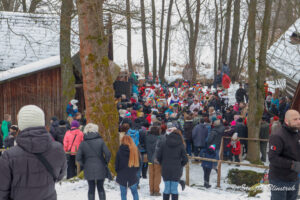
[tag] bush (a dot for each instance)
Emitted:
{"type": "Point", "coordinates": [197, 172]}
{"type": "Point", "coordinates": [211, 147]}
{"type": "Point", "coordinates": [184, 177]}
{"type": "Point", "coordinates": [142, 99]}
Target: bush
{"type": "Point", "coordinates": [244, 177]}
{"type": "Point", "coordinates": [254, 190]}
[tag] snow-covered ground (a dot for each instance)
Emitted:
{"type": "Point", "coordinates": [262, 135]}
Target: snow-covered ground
{"type": "Point", "coordinates": [78, 190]}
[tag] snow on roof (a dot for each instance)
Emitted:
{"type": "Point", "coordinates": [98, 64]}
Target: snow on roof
{"type": "Point", "coordinates": [27, 38]}
{"type": "Point", "coordinates": [29, 68]}
{"type": "Point", "coordinates": [284, 57]}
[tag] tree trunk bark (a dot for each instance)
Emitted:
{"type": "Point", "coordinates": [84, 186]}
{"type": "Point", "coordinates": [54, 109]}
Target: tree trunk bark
{"type": "Point", "coordinates": [227, 31]}
{"type": "Point", "coordinates": [154, 39]}
{"type": "Point", "coordinates": [235, 41]}
{"type": "Point", "coordinates": [216, 39]}
{"type": "Point", "coordinates": [161, 35]}
{"type": "Point", "coordinates": [144, 39]}
{"type": "Point", "coordinates": [165, 57]}
{"type": "Point", "coordinates": [33, 5]}
{"type": "Point", "coordinates": [128, 23]}
{"type": "Point", "coordinates": [253, 130]}
{"type": "Point", "coordinates": [68, 79]}
{"type": "Point", "coordinates": [221, 35]}
{"type": "Point", "coordinates": [275, 23]}
{"type": "Point", "coordinates": [239, 64]}
{"type": "Point", "coordinates": [24, 7]}
{"type": "Point", "coordinates": [97, 79]}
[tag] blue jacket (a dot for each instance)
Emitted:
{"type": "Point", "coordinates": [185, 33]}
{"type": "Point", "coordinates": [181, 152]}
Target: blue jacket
{"type": "Point", "coordinates": [208, 153]}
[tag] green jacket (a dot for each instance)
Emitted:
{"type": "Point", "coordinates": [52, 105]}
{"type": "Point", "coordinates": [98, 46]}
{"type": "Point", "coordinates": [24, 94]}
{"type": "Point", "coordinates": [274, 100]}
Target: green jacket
{"type": "Point", "coordinates": [5, 129]}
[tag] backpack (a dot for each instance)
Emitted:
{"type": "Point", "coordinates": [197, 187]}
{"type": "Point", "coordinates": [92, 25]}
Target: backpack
{"type": "Point", "coordinates": [135, 135]}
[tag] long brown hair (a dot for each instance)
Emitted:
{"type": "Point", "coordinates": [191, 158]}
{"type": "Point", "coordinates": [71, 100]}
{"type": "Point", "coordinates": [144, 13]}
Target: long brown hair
{"type": "Point", "coordinates": [134, 154]}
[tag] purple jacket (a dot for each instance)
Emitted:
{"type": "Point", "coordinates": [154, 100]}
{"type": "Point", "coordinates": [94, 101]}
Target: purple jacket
{"type": "Point", "coordinates": [22, 175]}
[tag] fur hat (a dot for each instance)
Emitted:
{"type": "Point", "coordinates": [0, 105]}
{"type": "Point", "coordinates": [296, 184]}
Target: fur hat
{"type": "Point", "coordinates": [91, 128]}
{"type": "Point", "coordinates": [75, 124]}
{"type": "Point", "coordinates": [30, 116]}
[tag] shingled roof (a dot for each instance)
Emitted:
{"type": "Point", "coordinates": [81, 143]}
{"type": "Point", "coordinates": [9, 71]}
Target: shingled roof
{"type": "Point", "coordinates": [27, 38]}
{"type": "Point", "coordinates": [284, 54]}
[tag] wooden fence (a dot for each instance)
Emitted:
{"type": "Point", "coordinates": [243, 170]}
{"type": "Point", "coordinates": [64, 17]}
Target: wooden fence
{"type": "Point", "coordinates": [187, 167]}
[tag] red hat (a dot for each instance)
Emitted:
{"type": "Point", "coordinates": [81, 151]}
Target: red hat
{"type": "Point", "coordinates": [219, 117]}
{"type": "Point", "coordinates": [275, 118]}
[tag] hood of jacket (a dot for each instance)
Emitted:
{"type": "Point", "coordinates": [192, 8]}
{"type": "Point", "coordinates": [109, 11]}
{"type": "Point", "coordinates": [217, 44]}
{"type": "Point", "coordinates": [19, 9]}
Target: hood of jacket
{"type": "Point", "coordinates": [173, 140]}
{"type": "Point", "coordinates": [124, 151]}
{"type": "Point", "coordinates": [91, 136]}
{"type": "Point", "coordinates": [34, 140]}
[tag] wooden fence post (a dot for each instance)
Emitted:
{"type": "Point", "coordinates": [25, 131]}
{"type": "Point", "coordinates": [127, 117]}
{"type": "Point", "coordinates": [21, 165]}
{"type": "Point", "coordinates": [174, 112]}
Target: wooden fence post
{"type": "Point", "coordinates": [187, 173]}
{"type": "Point", "coordinates": [220, 162]}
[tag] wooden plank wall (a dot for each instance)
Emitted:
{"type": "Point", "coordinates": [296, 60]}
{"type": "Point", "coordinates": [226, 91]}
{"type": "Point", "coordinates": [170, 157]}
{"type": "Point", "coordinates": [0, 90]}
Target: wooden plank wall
{"type": "Point", "coordinates": [42, 89]}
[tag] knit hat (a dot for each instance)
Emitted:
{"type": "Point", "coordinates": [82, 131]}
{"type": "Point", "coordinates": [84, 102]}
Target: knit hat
{"type": "Point", "coordinates": [235, 136]}
{"type": "Point", "coordinates": [30, 116]}
{"type": "Point", "coordinates": [14, 127]}
{"type": "Point", "coordinates": [233, 123]}
{"type": "Point", "coordinates": [213, 147]}
{"type": "Point", "coordinates": [75, 124]}
{"type": "Point", "coordinates": [275, 118]}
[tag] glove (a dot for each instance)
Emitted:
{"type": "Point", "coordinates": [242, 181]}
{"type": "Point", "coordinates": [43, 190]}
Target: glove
{"type": "Point", "coordinates": [296, 166]}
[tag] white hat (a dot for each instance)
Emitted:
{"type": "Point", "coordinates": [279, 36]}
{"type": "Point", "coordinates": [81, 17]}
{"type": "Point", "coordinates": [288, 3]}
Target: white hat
{"type": "Point", "coordinates": [30, 116]}
{"type": "Point", "coordinates": [74, 101]}
{"type": "Point", "coordinates": [235, 136]}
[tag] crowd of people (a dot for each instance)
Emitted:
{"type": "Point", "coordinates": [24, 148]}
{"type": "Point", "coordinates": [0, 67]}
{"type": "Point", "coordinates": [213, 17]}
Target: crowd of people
{"type": "Point", "coordinates": [159, 127]}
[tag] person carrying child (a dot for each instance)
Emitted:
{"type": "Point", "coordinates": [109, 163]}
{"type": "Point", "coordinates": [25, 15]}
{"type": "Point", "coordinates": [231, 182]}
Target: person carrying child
{"type": "Point", "coordinates": [235, 147]}
{"type": "Point", "coordinates": [208, 165]}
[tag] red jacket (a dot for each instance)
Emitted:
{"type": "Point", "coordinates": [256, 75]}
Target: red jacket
{"type": "Point", "coordinates": [235, 151]}
{"type": "Point", "coordinates": [68, 140]}
{"type": "Point", "coordinates": [226, 81]}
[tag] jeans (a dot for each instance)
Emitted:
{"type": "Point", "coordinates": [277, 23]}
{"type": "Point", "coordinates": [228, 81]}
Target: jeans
{"type": "Point", "coordinates": [188, 147]}
{"type": "Point", "coordinates": [171, 187]}
{"type": "Point", "coordinates": [284, 190]}
{"type": "Point", "coordinates": [92, 187]}
{"type": "Point", "coordinates": [134, 191]}
{"type": "Point", "coordinates": [263, 151]}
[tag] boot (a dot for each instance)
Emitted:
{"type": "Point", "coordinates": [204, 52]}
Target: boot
{"type": "Point", "coordinates": [174, 196]}
{"type": "Point", "coordinates": [206, 184]}
{"type": "Point", "coordinates": [182, 183]}
{"type": "Point", "coordinates": [91, 196]}
{"type": "Point", "coordinates": [166, 196]}
{"type": "Point", "coordinates": [144, 170]}
{"type": "Point", "coordinates": [102, 196]}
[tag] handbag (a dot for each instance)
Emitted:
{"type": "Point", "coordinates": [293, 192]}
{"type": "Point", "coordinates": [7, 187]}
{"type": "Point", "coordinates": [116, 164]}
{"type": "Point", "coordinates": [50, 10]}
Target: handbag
{"type": "Point", "coordinates": [108, 174]}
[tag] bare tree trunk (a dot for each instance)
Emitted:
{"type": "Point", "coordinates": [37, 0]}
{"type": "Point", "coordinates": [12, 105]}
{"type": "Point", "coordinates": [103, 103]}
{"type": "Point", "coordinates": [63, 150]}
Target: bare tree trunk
{"type": "Point", "coordinates": [144, 39]}
{"type": "Point", "coordinates": [24, 6]}
{"type": "Point", "coordinates": [165, 57]}
{"type": "Point", "coordinates": [161, 35]}
{"type": "Point", "coordinates": [97, 78]}
{"type": "Point", "coordinates": [216, 39]}
{"type": "Point", "coordinates": [253, 130]}
{"type": "Point", "coordinates": [33, 6]}
{"type": "Point", "coordinates": [128, 22]}
{"type": "Point", "coordinates": [154, 40]}
{"type": "Point", "coordinates": [235, 40]}
{"type": "Point", "coordinates": [275, 23]}
{"type": "Point", "coordinates": [221, 35]}
{"type": "Point", "coordinates": [239, 65]}
{"type": "Point", "coordinates": [227, 31]}
{"type": "Point", "coordinates": [68, 79]}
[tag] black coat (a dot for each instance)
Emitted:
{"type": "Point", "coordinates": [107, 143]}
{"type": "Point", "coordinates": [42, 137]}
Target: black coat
{"type": "Point", "coordinates": [188, 130]}
{"type": "Point", "coordinates": [284, 148]}
{"type": "Point", "coordinates": [241, 129]}
{"type": "Point", "coordinates": [240, 95]}
{"type": "Point", "coordinates": [172, 157]}
{"type": "Point", "coordinates": [215, 136]}
{"type": "Point", "coordinates": [59, 133]}
{"type": "Point", "coordinates": [22, 175]}
{"type": "Point", "coordinates": [126, 176]}
{"type": "Point", "coordinates": [88, 156]}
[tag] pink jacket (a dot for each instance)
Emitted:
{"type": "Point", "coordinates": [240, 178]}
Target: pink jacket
{"type": "Point", "coordinates": [68, 139]}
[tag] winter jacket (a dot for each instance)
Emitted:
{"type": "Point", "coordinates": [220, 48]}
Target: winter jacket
{"type": "Point", "coordinates": [228, 132]}
{"type": "Point", "coordinates": [241, 129]}
{"type": "Point", "coordinates": [151, 142]}
{"type": "Point", "coordinates": [5, 125]}
{"type": "Point", "coordinates": [200, 134]}
{"type": "Point", "coordinates": [188, 129]}
{"type": "Point", "coordinates": [240, 95]}
{"type": "Point", "coordinates": [208, 153]}
{"type": "Point", "coordinates": [284, 148]}
{"type": "Point", "coordinates": [218, 80]}
{"type": "Point", "coordinates": [59, 133]}
{"type": "Point", "coordinates": [264, 131]}
{"type": "Point", "coordinates": [276, 102]}
{"type": "Point", "coordinates": [70, 110]}
{"type": "Point", "coordinates": [69, 138]}
{"type": "Point", "coordinates": [235, 147]}
{"type": "Point", "coordinates": [53, 127]}
{"type": "Point", "coordinates": [22, 175]}
{"type": "Point", "coordinates": [215, 136]}
{"type": "Point", "coordinates": [228, 117]}
{"type": "Point", "coordinates": [172, 157]}
{"type": "Point", "coordinates": [126, 176]}
{"type": "Point", "coordinates": [88, 156]}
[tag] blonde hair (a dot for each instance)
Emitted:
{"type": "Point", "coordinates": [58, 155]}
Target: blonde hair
{"type": "Point", "coordinates": [134, 154]}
